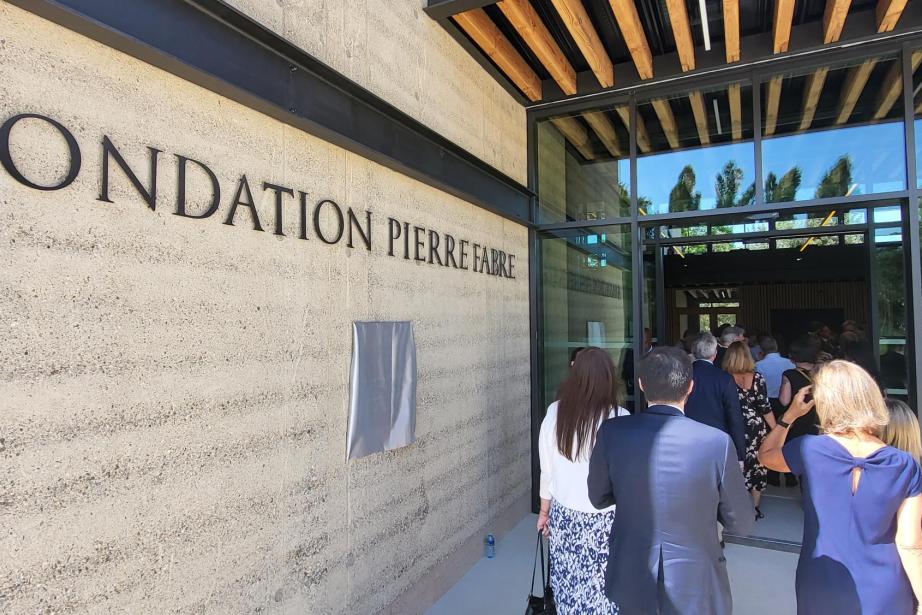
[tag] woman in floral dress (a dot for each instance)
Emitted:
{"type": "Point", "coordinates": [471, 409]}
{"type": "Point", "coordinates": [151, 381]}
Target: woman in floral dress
{"type": "Point", "coordinates": [757, 415]}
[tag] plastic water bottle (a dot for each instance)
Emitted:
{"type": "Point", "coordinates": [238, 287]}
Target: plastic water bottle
{"type": "Point", "coordinates": [490, 544]}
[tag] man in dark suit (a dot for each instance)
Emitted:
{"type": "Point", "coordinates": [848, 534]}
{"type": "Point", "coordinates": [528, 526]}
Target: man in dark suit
{"type": "Point", "coordinates": [715, 401]}
{"type": "Point", "coordinates": [672, 480]}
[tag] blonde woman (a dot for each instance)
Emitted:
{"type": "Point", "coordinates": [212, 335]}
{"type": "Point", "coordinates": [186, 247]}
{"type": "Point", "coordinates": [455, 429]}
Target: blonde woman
{"type": "Point", "coordinates": [757, 415]}
{"type": "Point", "coordinates": [902, 431]}
{"type": "Point", "coordinates": [866, 496]}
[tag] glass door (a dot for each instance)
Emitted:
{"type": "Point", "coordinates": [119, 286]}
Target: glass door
{"type": "Point", "coordinates": [835, 274]}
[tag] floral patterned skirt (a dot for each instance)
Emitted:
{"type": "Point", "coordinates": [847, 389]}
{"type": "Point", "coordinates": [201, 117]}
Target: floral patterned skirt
{"type": "Point", "coordinates": [579, 556]}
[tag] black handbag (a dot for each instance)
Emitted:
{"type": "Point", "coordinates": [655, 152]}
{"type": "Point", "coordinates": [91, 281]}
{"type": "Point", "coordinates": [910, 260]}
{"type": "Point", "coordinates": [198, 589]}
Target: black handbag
{"type": "Point", "coordinates": [544, 604]}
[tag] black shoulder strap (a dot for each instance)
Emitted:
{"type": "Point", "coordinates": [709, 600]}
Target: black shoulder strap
{"type": "Point", "coordinates": [534, 568]}
{"type": "Point", "coordinates": [545, 581]}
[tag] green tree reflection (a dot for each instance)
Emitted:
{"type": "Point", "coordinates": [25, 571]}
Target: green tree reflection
{"type": "Point", "coordinates": [728, 184]}
{"type": "Point", "coordinates": [683, 196]}
{"type": "Point", "coordinates": [784, 189]}
{"type": "Point", "coordinates": [837, 179]}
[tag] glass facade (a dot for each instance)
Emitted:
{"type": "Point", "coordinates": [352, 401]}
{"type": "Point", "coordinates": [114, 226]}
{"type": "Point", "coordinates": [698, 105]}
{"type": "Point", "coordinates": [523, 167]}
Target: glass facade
{"type": "Point", "coordinates": [584, 166]}
{"type": "Point", "coordinates": [794, 162]}
{"type": "Point", "coordinates": [695, 151]}
{"type": "Point", "coordinates": [826, 133]}
{"type": "Point", "coordinates": [586, 277]}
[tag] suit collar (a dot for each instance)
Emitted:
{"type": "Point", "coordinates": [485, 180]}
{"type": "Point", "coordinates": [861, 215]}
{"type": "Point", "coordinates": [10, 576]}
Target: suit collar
{"type": "Point", "coordinates": [664, 410]}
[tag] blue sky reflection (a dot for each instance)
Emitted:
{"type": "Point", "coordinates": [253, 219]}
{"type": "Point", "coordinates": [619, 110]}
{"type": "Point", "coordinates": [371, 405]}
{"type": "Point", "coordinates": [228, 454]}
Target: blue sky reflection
{"type": "Point", "coordinates": [875, 151]}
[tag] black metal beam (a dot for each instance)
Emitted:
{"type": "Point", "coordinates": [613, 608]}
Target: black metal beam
{"type": "Point", "coordinates": [443, 9]}
{"type": "Point", "coordinates": [816, 231]}
{"type": "Point", "coordinates": [210, 43]}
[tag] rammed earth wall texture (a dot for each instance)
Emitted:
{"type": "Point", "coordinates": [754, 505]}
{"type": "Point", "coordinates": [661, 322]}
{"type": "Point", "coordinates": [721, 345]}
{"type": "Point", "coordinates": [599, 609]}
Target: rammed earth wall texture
{"type": "Point", "coordinates": [392, 48]}
{"type": "Point", "coordinates": [173, 391]}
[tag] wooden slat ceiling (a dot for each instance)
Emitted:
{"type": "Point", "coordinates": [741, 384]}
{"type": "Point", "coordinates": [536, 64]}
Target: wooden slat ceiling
{"type": "Point", "coordinates": [562, 40]}
{"type": "Point", "coordinates": [553, 49]}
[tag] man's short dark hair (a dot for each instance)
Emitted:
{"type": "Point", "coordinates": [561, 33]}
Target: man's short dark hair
{"type": "Point", "coordinates": [666, 374]}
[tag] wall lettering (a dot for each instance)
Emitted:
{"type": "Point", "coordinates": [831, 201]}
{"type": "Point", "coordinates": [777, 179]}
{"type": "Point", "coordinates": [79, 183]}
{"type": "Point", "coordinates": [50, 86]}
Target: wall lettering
{"type": "Point", "coordinates": [329, 222]}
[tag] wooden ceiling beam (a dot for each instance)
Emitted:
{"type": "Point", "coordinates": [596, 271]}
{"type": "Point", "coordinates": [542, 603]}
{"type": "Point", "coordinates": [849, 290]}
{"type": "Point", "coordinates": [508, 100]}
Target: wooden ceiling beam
{"type": "Point", "coordinates": [834, 19]}
{"type": "Point", "coordinates": [893, 86]}
{"type": "Point", "coordinates": [732, 30]}
{"type": "Point", "coordinates": [667, 120]}
{"type": "Point", "coordinates": [888, 14]}
{"type": "Point", "coordinates": [528, 24]}
{"type": "Point", "coordinates": [781, 26]}
{"type": "Point", "coordinates": [701, 116]}
{"type": "Point", "coordinates": [643, 138]}
{"type": "Point", "coordinates": [574, 16]}
{"type": "Point", "coordinates": [634, 37]}
{"type": "Point", "coordinates": [813, 88]}
{"type": "Point", "coordinates": [736, 110]}
{"type": "Point", "coordinates": [681, 33]}
{"type": "Point", "coordinates": [574, 132]}
{"type": "Point", "coordinates": [772, 101]}
{"type": "Point", "coordinates": [855, 81]}
{"type": "Point", "coordinates": [478, 25]}
{"type": "Point", "coordinates": [605, 130]}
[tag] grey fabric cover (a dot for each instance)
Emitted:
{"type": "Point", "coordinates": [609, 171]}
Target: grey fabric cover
{"type": "Point", "coordinates": [382, 399]}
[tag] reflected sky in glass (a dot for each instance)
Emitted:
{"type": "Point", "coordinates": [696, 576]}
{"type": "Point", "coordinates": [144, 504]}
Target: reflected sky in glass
{"type": "Point", "coordinates": [658, 174]}
{"type": "Point", "coordinates": [876, 153]}
{"type": "Point", "coordinates": [918, 125]}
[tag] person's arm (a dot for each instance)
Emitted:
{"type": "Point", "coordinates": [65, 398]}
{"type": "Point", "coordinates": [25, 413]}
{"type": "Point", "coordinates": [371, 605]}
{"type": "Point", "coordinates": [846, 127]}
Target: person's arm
{"type": "Point", "coordinates": [544, 517]}
{"type": "Point", "coordinates": [734, 508]}
{"type": "Point", "coordinates": [765, 406]}
{"type": "Point", "coordinates": [784, 395]}
{"type": "Point", "coordinates": [909, 541]}
{"type": "Point", "coordinates": [545, 455]}
{"type": "Point", "coordinates": [770, 453]}
{"type": "Point", "coordinates": [734, 418]}
{"type": "Point", "coordinates": [601, 493]}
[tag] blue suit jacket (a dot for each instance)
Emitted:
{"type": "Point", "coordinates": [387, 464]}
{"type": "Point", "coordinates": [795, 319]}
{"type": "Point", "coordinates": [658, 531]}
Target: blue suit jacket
{"type": "Point", "coordinates": [672, 480]}
{"type": "Point", "coordinates": [714, 401]}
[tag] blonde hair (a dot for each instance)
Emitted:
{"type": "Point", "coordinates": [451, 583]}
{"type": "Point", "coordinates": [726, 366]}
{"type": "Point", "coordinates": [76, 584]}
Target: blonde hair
{"type": "Point", "coordinates": [902, 431]}
{"type": "Point", "coordinates": [848, 400]}
{"type": "Point", "coordinates": [738, 359]}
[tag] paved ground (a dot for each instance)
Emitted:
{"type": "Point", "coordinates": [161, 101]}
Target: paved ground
{"type": "Point", "coordinates": [762, 580]}
{"type": "Point", "coordinates": [784, 517]}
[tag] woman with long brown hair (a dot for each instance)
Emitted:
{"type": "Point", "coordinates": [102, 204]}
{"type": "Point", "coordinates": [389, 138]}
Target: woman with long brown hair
{"type": "Point", "coordinates": [578, 531]}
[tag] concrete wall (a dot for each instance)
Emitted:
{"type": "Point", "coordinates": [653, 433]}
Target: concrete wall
{"type": "Point", "coordinates": [398, 52]}
{"type": "Point", "coordinates": [174, 391]}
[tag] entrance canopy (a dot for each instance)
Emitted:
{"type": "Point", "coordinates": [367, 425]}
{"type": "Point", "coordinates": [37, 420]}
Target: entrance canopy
{"type": "Point", "coordinates": [550, 50]}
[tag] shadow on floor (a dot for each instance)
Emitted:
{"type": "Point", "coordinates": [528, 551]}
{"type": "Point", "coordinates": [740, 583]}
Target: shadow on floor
{"type": "Point", "coordinates": [762, 580]}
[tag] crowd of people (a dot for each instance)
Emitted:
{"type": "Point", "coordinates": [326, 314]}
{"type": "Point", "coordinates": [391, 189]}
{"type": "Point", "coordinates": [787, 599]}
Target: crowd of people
{"type": "Point", "coordinates": [634, 504]}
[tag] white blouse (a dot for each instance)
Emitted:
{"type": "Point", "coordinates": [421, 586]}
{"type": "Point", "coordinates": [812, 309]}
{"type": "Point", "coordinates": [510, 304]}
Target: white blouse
{"type": "Point", "coordinates": [561, 479]}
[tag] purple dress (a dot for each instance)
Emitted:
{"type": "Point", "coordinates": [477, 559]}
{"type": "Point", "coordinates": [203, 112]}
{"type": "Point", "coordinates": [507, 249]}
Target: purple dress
{"type": "Point", "coordinates": [851, 567]}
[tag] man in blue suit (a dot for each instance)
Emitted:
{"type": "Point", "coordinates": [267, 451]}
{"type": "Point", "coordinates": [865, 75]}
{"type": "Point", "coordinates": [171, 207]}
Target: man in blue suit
{"type": "Point", "coordinates": [715, 401]}
{"type": "Point", "coordinates": [672, 480]}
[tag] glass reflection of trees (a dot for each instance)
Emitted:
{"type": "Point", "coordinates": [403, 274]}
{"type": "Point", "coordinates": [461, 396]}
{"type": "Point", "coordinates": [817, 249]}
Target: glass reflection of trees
{"type": "Point", "coordinates": [837, 181]}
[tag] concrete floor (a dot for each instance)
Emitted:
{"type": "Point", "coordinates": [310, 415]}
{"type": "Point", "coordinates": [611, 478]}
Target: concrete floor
{"type": "Point", "coordinates": [762, 580]}
{"type": "Point", "coordinates": [784, 515]}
